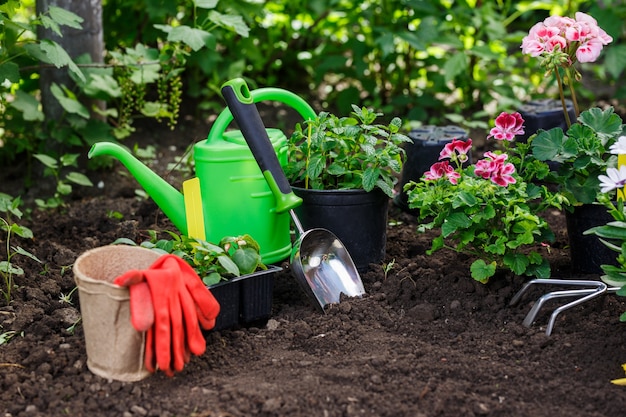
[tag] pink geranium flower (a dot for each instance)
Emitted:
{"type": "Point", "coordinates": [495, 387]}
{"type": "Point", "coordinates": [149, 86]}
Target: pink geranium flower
{"type": "Point", "coordinates": [581, 38]}
{"type": "Point", "coordinates": [508, 125]}
{"type": "Point", "coordinates": [563, 41]}
{"type": "Point", "coordinates": [456, 149]}
{"type": "Point", "coordinates": [494, 168]}
{"type": "Point", "coordinates": [442, 170]}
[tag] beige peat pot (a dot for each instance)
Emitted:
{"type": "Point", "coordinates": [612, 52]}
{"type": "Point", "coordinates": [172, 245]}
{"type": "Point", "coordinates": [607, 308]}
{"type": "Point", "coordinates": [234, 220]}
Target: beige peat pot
{"type": "Point", "coordinates": [115, 350]}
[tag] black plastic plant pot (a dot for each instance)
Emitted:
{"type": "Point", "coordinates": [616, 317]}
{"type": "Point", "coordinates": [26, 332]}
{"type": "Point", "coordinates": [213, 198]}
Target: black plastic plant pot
{"type": "Point", "coordinates": [245, 300]}
{"type": "Point", "coordinates": [428, 141]}
{"type": "Point", "coordinates": [256, 296]}
{"type": "Point", "coordinates": [587, 252]}
{"type": "Point", "coordinates": [544, 114]}
{"type": "Point", "coordinates": [358, 218]}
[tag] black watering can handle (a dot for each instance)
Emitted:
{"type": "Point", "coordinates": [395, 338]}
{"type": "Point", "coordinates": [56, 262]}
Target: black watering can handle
{"type": "Point", "coordinates": [238, 98]}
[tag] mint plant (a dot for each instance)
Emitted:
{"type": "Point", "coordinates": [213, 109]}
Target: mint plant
{"type": "Point", "coordinates": [331, 152]}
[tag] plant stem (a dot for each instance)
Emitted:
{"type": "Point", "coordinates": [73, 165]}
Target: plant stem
{"type": "Point", "coordinates": [8, 278]}
{"type": "Point", "coordinates": [308, 156]}
{"type": "Point", "coordinates": [572, 91]}
{"type": "Point", "coordinates": [562, 95]}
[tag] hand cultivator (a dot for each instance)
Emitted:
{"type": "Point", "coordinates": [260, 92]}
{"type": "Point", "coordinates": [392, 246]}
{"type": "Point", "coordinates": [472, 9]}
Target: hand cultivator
{"type": "Point", "coordinates": [590, 290]}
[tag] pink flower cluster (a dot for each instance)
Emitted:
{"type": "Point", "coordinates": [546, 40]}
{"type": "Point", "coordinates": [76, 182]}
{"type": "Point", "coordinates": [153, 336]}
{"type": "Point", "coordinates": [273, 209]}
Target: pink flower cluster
{"type": "Point", "coordinates": [442, 169]}
{"type": "Point", "coordinates": [581, 35]}
{"type": "Point", "coordinates": [493, 167]}
{"type": "Point", "coordinates": [508, 125]}
{"type": "Point", "coordinates": [456, 150]}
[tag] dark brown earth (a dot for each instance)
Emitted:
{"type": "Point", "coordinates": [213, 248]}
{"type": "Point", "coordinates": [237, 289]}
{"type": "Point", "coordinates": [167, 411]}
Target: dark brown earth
{"type": "Point", "coordinates": [425, 341]}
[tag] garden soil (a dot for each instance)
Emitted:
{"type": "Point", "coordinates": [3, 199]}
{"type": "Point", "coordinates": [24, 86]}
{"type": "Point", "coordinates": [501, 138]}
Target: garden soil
{"type": "Point", "coordinates": [426, 340]}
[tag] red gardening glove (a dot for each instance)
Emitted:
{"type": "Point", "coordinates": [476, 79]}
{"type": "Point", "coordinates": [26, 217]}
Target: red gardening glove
{"type": "Point", "coordinates": [168, 301]}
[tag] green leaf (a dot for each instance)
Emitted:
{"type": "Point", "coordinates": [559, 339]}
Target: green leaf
{"type": "Point", "coordinates": [612, 230]}
{"type": "Point", "coordinates": [454, 222]}
{"type": "Point", "coordinates": [455, 65]}
{"type": "Point", "coordinates": [205, 4]}
{"type": "Point", "coordinates": [49, 23]}
{"type": "Point", "coordinates": [102, 86]}
{"type": "Point", "coordinates": [47, 160]}
{"type": "Point", "coordinates": [605, 123]}
{"type": "Point", "coordinates": [24, 252]}
{"type": "Point", "coordinates": [196, 39]}
{"type": "Point", "coordinates": [146, 74]}
{"type": "Point", "coordinates": [10, 71]}
{"type": "Point", "coordinates": [65, 17]}
{"type": "Point", "coordinates": [516, 262]}
{"type": "Point", "coordinates": [481, 271]}
{"type": "Point", "coordinates": [541, 270]}
{"type": "Point", "coordinates": [464, 198]}
{"type": "Point", "coordinates": [548, 144]}
{"type": "Point", "coordinates": [69, 104]}
{"type": "Point", "coordinates": [124, 241]}
{"type": "Point", "coordinates": [22, 231]}
{"type": "Point", "coordinates": [9, 268]}
{"type": "Point", "coordinates": [29, 106]}
{"type": "Point", "coordinates": [370, 176]}
{"type": "Point", "coordinates": [230, 21]}
{"type": "Point", "coordinates": [229, 265]}
{"type": "Point", "coordinates": [437, 244]}
{"type": "Point", "coordinates": [78, 178]}
{"type": "Point", "coordinates": [63, 188]}
{"type": "Point", "coordinates": [247, 260]}
{"type": "Point", "coordinates": [53, 53]}
{"type": "Point", "coordinates": [212, 279]}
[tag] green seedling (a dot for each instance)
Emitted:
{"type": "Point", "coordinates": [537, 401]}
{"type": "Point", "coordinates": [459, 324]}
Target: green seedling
{"type": "Point", "coordinates": [231, 257]}
{"type": "Point", "coordinates": [67, 298]}
{"type": "Point", "coordinates": [112, 214]}
{"type": "Point", "coordinates": [7, 336]}
{"type": "Point", "coordinates": [64, 184]}
{"type": "Point", "coordinates": [8, 270]}
{"type": "Point", "coordinates": [72, 328]}
{"type": "Point", "coordinates": [388, 267]}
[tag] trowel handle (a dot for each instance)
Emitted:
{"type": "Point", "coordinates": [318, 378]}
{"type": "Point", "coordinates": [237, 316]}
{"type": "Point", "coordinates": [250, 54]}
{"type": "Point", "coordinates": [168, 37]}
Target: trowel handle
{"type": "Point", "coordinates": [238, 98]}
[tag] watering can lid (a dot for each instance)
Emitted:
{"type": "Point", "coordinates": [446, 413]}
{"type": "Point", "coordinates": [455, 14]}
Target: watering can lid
{"type": "Point", "coordinates": [231, 145]}
{"type": "Point", "coordinates": [236, 137]}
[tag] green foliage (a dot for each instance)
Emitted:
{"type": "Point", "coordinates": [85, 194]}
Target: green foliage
{"type": "Point", "coordinates": [138, 80]}
{"type": "Point", "coordinates": [613, 235]}
{"type": "Point", "coordinates": [497, 225]}
{"type": "Point", "coordinates": [582, 153]}
{"type": "Point", "coordinates": [9, 209]}
{"type": "Point", "coordinates": [354, 152]}
{"type": "Point", "coordinates": [63, 184]}
{"type": "Point", "coordinates": [217, 34]}
{"type": "Point", "coordinates": [232, 256]}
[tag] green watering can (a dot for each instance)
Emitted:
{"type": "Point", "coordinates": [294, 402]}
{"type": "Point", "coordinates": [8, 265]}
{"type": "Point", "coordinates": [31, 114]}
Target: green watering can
{"type": "Point", "coordinates": [229, 195]}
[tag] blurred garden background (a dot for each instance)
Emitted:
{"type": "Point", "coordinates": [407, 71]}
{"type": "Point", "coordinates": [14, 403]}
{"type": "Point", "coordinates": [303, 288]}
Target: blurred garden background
{"type": "Point", "coordinates": [79, 72]}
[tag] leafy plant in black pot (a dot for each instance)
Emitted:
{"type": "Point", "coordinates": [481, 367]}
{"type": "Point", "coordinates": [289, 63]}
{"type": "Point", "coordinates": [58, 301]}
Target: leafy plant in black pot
{"type": "Point", "coordinates": [345, 170]}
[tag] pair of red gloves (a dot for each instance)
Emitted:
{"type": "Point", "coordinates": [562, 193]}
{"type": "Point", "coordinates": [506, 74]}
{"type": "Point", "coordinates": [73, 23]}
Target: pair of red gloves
{"type": "Point", "coordinates": [169, 302]}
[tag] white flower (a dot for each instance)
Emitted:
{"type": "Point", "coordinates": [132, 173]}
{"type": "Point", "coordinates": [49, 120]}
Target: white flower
{"type": "Point", "coordinates": [614, 178]}
{"type": "Point", "coordinates": [619, 147]}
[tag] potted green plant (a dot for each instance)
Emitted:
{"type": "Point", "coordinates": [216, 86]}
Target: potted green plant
{"type": "Point", "coordinates": [580, 152]}
{"type": "Point", "coordinates": [232, 270]}
{"type": "Point", "coordinates": [345, 170]}
{"type": "Point", "coordinates": [490, 210]}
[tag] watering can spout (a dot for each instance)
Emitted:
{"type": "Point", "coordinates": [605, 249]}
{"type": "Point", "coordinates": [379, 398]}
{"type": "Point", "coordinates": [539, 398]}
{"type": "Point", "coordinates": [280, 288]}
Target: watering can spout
{"type": "Point", "coordinates": [170, 200]}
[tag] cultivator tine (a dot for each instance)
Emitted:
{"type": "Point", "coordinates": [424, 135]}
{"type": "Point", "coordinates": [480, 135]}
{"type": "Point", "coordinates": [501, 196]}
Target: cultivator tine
{"type": "Point", "coordinates": [595, 288]}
